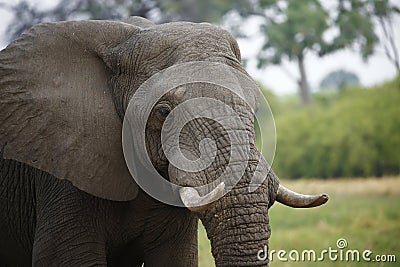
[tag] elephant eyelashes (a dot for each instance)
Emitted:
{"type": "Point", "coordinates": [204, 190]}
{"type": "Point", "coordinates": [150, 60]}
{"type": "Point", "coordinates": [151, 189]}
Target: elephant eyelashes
{"type": "Point", "coordinates": [163, 111]}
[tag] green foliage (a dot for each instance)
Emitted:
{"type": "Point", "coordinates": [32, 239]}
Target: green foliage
{"type": "Point", "coordinates": [301, 27]}
{"type": "Point", "coordinates": [298, 27]}
{"type": "Point", "coordinates": [27, 14]}
{"type": "Point", "coordinates": [200, 11]}
{"type": "Point", "coordinates": [355, 28]}
{"type": "Point", "coordinates": [354, 133]}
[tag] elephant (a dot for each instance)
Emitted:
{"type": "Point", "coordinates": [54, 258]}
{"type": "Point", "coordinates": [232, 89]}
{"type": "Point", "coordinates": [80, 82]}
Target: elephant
{"type": "Point", "coordinates": [69, 197]}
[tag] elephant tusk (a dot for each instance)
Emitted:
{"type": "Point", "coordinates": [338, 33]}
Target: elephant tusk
{"type": "Point", "coordinates": [194, 202]}
{"type": "Point", "coordinates": [296, 200]}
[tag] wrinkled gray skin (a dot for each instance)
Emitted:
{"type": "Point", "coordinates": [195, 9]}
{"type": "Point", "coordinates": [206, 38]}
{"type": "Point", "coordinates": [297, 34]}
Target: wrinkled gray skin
{"type": "Point", "coordinates": [67, 196]}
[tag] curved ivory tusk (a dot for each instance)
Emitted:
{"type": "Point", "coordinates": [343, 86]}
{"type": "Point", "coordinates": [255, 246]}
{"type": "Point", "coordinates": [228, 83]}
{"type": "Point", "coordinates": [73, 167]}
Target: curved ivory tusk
{"type": "Point", "coordinates": [194, 202]}
{"type": "Point", "coordinates": [296, 200]}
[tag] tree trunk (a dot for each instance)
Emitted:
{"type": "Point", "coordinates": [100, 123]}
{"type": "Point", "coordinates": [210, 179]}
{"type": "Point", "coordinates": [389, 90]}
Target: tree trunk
{"type": "Point", "coordinates": [303, 83]}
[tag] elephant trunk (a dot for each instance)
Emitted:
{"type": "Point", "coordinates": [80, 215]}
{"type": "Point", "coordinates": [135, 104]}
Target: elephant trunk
{"type": "Point", "coordinates": [238, 223]}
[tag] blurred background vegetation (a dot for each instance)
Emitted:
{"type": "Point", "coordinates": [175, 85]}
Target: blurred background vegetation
{"type": "Point", "coordinates": [349, 132]}
{"type": "Point", "coordinates": [340, 129]}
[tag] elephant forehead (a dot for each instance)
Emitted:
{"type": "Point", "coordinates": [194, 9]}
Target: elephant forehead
{"type": "Point", "coordinates": [178, 31]}
{"type": "Point", "coordinates": [168, 44]}
{"type": "Point", "coordinates": [213, 91]}
{"type": "Point", "coordinates": [199, 79]}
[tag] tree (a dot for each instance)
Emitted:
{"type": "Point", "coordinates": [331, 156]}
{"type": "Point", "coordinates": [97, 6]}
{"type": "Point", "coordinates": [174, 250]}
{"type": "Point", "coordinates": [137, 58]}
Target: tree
{"type": "Point", "coordinates": [384, 12]}
{"type": "Point", "coordinates": [202, 11]}
{"type": "Point", "coordinates": [26, 15]}
{"type": "Point", "coordinates": [297, 29]}
{"type": "Point", "coordinates": [356, 29]}
{"type": "Point", "coordinates": [339, 79]}
{"type": "Point", "coordinates": [294, 28]}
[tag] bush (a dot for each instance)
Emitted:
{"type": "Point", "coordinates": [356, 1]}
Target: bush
{"type": "Point", "coordinates": [356, 133]}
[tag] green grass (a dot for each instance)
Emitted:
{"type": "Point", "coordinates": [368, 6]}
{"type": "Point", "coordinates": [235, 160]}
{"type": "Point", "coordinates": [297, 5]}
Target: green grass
{"type": "Point", "coordinates": [365, 212]}
{"type": "Point", "coordinates": [205, 257]}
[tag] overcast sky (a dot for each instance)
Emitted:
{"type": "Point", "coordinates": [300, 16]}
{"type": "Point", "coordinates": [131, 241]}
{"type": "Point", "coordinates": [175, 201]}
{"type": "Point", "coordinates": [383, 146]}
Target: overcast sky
{"type": "Point", "coordinates": [376, 70]}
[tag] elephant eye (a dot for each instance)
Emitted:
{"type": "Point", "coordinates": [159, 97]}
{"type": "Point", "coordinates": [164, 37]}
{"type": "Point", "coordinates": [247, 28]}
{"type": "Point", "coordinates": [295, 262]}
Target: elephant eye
{"type": "Point", "coordinates": [163, 110]}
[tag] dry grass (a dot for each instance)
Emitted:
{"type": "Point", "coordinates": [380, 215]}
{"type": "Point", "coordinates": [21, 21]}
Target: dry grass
{"type": "Point", "coordinates": [347, 187]}
{"type": "Point", "coordinates": [364, 211]}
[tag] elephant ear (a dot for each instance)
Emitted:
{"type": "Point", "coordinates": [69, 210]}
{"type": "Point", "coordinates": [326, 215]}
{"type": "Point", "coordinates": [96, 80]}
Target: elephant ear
{"type": "Point", "coordinates": [56, 110]}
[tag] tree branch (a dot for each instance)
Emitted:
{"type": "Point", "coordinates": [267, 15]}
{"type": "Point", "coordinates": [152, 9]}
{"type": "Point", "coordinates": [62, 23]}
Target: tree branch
{"type": "Point", "coordinates": [389, 45]}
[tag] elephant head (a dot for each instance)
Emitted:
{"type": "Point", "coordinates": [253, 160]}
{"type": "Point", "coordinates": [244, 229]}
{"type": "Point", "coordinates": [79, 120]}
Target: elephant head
{"type": "Point", "coordinates": [66, 89]}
